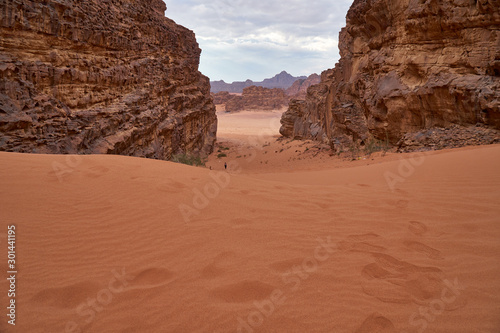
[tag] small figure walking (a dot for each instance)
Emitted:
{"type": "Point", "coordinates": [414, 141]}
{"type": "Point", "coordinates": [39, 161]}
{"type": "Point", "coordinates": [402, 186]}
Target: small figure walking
{"type": "Point", "coordinates": [225, 165]}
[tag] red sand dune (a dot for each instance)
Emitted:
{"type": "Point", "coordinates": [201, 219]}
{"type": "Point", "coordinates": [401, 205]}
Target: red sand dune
{"type": "Point", "coordinates": [122, 244]}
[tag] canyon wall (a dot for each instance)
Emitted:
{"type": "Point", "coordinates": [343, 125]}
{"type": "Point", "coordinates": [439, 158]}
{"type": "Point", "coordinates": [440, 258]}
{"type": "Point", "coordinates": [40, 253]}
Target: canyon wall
{"type": "Point", "coordinates": [408, 69]}
{"type": "Point", "coordinates": [110, 77]}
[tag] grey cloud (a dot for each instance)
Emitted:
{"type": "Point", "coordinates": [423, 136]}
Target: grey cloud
{"type": "Point", "coordinates": [258, 37]}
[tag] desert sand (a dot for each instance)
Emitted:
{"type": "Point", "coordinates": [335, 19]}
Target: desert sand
{"type": "Point", "coordinates": [306, 242]}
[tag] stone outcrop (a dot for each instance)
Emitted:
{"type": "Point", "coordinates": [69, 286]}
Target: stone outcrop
{"type": "Point", "coordinates": [282, 80]}
{"type": "Point", "coordinates": [111, 76]}
{"type": "Point", "coordinates": [252, 99]}
{"type": "Point", "coordinates": [449, 137]}
{"type": "Point", "coordinates": [299, 88]}
{"type": "Point", "coordinates": [260, 98]}
{"type": "Point", "coordinates": [407, 66]}
{"type": "Point", "coordinates": [222, 97]}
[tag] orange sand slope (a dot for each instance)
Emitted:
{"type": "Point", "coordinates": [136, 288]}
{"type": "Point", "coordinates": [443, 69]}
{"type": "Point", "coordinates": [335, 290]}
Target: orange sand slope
{"type": "Point", "coordinates": [121, 244]}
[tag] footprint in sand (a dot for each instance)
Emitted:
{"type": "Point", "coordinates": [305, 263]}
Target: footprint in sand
{"type": "Point", "coordinates": [395, 281]}
{"type": "Point", "coordinates": [401, 192]}
{"type": "Point", "coordinates": [212, 271]}
{"type": "Point", "coordinates": [219, 265]}
{"type": "Point", "coordinates": [376, 323]}
{"type": "Point", "coordinates": [400, 204]}
{"type": "Point", "coordinates": [171, 187]}
{"type": "Point", "coordinates": [66, 297]}
{"type": "Point", "coordinates": [422, 248]}
{"type": "Point", "coordinates": [418, 228]}
{"type": "Point", "coordinates": [361, 243]}
{"type": "Point", "coordinates": [323, 205]}
{"type": "Point", "coordinates": [151, 278]}
{"type": "Point", "coordinates": [243, 291]}
{"type": "Point", "coordinates": [360, 247]}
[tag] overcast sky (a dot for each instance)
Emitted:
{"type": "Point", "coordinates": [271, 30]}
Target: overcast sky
{"type": "Point", "coordinates": [256, 39]}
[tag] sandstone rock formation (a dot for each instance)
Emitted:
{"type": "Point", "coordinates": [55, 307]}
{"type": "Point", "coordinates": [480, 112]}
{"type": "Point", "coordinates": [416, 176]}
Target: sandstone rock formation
{"type": "Point", "coordinates": [222, 97]}
{"type": "Point", "coordinates": [111, 76]}
{"type": "Point", "coordinates": [282, 80]}
{"type": "Point", "coordinates": [406, 66]}
{"type": "Point", "coordinates": [253, 98]}
{"type": "Point", "coordinates": [299, 88]}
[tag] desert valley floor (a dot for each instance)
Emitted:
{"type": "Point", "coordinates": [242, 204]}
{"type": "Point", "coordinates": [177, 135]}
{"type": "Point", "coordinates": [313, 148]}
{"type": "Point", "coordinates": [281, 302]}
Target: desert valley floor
{"type": "Point", "coordinates": [288, 239]}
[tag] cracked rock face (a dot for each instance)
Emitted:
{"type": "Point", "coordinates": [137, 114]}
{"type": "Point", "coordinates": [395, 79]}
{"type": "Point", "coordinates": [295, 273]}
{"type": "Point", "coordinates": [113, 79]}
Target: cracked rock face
{"type": "Point", "coordinates": [406, 66]}
{"type": "Point", "coordinates": [107, 76]}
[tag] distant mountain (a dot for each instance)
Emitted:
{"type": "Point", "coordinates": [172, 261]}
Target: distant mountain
{"type": "Point", "coordinates": [282, 80]}
{"type": "Point", "coordinates": [298, 89]}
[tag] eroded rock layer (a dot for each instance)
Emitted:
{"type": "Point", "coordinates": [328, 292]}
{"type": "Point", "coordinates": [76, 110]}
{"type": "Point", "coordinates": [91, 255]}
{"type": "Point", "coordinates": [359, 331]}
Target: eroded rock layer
{"type": "Point", "coordinates": [111, 76]}
{"type": "Point", "coordinates": [406, 66]}
{"type": "Point", "coordinates": [253, 98]}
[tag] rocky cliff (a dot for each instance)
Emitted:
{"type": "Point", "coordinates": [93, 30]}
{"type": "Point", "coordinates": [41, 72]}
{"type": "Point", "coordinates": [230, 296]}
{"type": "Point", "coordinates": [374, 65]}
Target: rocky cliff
{"type": "Point", "coordinates": [110, 76]}
{"type": "Point", "coordinates": [407, 69]}
{"type": "Point", "coordinates": [253, 98]}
